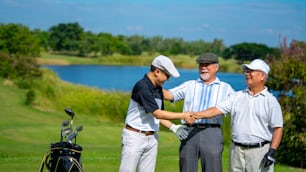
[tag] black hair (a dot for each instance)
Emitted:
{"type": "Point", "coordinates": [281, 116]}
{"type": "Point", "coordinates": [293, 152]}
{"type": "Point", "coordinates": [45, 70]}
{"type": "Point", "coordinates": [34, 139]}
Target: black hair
{"type": "Point", "coordinates": [153, 68]}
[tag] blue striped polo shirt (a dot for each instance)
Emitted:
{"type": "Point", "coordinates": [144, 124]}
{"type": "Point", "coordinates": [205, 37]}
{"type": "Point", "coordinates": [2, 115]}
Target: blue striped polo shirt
{"type": "Point", "coordinates": [198, 96]}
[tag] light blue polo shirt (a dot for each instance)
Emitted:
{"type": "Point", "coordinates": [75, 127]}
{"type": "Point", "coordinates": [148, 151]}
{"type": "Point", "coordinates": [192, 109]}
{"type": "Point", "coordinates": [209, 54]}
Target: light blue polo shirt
{"type": "Point", "coordinates": [198, 96]}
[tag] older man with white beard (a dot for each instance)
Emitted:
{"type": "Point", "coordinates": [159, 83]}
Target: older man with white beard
{"type": "Point", "coordinates": [205, 139]}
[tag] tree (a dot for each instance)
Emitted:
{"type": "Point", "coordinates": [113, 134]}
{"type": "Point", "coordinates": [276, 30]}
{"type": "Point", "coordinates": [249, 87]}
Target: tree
{"type": "Point", "coordinates": [134, 44]}
{"type": "Point", "coordinates": [248, 51]}
{"type": "Point", "coordinates": [88, 44]}
{"type": "Point", "coordinates": [66, 37]}
{"type": "Point", "coordinates": [121, 46]}
{"type": "Point", "coordinates": [16, 40]}
{"type": "Point", "coordinates": [288, 80]}
{"type": "Point", "coordinates": [217, 46]}
{"type": "Point", "coordinates": [43, 37]}
{"type": "Point", "coordinates": [198, 47]}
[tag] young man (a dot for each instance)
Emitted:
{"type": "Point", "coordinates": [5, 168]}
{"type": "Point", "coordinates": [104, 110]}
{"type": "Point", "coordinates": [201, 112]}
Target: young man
{"type": "Point", "coordinates": [256, 120]}
{"type": "Point", "coordinates": [139, 135]}
{"type": "Point", "coordinates": [205, 139]}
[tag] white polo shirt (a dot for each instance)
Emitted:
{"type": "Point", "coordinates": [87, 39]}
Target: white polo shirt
{"type": "Point", "coordinates": [253, 117]}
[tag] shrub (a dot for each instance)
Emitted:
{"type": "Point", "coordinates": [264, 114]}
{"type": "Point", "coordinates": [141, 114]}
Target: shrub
{"type": "Point", "coordinates": [21, 70]}
{"type": "Point", "coordinates": [288, 78]}
{"type": "Point", "coordinates": [30, 97]}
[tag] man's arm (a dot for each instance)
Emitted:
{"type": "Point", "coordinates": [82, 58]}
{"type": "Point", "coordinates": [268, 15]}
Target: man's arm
{"type": "Point", "coordinates": [208, 113]}
{"type": "Point", "coordinates": [167, 95]}
{"type": "Point", "coordinates": [269, 157]}
{"type": "Point", "coordinates": [162, 114]}
{"type": "Point", "coordinates": [277, 136]}
{"type": "Point", "coordinates": [165, 123]}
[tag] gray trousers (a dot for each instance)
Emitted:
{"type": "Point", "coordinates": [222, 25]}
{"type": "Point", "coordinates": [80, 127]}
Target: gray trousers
{"type": "Point", "coordinates": [204, 144]}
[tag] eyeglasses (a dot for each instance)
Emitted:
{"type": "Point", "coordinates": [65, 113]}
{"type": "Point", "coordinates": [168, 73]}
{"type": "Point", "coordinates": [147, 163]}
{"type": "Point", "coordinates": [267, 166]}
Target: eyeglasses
{"type": "Point", "coordinates": [166, 73]}
{"type": "Point", "coordinates": [246, 70]}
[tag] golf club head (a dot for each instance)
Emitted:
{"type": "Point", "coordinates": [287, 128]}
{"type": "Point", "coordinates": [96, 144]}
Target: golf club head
{"type": "Point", "coordinates": [73, 135]}
{"type": "Point", "coordinates": [69, 112]}
{"type": "Point", "coordinates": [66, 131]}
{"type": "Point", "coordinates": [65, 123]}
{"type": "Point", "coordinates": [79, 128]}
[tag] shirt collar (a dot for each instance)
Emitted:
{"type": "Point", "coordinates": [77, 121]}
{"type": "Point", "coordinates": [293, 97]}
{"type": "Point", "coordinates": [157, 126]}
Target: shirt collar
{"type": "Point", "coordinates": [151, 84]}
{"type": "Point", "coordinates": [264, 92]}
{"type": "Point", "coordinates": [216, 81]}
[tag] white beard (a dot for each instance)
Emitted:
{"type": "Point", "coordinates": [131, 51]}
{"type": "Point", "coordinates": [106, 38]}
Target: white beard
{"type": "Point", "coordinates": [205, 76]}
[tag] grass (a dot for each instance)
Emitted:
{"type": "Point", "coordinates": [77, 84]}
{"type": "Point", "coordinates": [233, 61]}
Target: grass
{"type": "Point", "coordinates": [26, 133]}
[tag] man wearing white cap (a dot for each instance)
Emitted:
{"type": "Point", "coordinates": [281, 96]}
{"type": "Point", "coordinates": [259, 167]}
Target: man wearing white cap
{"type": "Point", "coordinates": [146, 108]}
{"type": "Point", "coordinates": [256, 120]}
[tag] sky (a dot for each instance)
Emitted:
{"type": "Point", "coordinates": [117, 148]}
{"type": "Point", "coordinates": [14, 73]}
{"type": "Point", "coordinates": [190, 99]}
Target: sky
{"type": "Point", "coordinates": [234, 21]}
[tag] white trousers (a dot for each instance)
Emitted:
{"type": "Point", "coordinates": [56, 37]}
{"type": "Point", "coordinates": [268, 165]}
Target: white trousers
{"type": "Point", "coordinates": [138, 150]}
{"type": "Point", "coordinates": [248, 159]}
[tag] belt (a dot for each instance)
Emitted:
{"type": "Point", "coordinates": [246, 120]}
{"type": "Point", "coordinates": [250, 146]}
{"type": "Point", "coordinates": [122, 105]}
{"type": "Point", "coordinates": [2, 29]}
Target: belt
{"type": "Point", "coordinates": [204, 125]}
{"type": "Point", "coordinates": [146, 133]}
{"type": "Point", "coordinates": [251, 145]}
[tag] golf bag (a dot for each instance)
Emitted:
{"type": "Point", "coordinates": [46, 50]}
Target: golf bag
{"type": "Point", "coordinates": [64, 156]}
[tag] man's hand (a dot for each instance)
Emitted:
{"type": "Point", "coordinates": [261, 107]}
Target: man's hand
{"type": "Point", "coordinates": [194, 115]}
{"type": "Point", "coordinates": [189, 117]}
{"type": "Point", "coordinates": [180, 131]}
{"type": "Point", "coordinates": [269, 158]}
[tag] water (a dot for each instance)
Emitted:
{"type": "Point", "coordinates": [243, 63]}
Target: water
{"type": "Point", "coordinates": [123, 78]}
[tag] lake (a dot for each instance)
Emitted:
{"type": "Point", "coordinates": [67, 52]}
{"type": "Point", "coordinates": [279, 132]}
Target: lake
{"type": "Point", "coordinates": [123, 78]}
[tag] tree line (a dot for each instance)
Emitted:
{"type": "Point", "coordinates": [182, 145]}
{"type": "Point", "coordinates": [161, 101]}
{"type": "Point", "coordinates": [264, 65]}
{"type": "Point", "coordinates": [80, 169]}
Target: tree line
{"type": "Point", "coordinates": [72, 39]}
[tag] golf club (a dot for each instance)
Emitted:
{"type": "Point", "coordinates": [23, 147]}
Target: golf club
{"type": "Point", "coordinates": [64, 125]}
{"type": "Point", "coordinates": [74, 134]}
{"type": "Point", "coordinates": [70, 113]}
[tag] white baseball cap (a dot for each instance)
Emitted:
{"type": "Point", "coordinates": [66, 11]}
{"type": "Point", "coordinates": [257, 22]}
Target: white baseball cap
{"type": "Point", "coordinates": [165, 64]}
{"type": "Point", "coordinates": [257, 64]}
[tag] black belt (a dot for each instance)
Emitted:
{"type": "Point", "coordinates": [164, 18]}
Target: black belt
{"type": "Point", "coordinates": [204, 125]}
{"type": "Point", "coordinates": [251, 145]}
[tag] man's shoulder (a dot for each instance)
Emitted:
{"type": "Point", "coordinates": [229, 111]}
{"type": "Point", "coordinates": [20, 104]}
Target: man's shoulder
{"type": "Point", "coordinates": [189, 82]}
{"type": "Point", "coordinates": [142, 84]}
{"type": "Point", "coordinates": [237, 94]}
{"type": "Point", "coordinates": [192, 81]}
{"type": "Point", "coordinates": [227, 85]}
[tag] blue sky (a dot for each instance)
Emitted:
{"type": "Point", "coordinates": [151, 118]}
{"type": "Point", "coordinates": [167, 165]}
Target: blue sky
{"type": "Point", "coordinates": [233, 21]}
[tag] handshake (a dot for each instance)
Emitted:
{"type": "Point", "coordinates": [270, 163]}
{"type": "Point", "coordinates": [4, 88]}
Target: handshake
{"type": "Point", "coordinates": [190, 117]}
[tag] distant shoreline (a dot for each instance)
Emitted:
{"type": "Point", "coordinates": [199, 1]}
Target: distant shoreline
{"type": "Point", "coordinates": [180, 61]}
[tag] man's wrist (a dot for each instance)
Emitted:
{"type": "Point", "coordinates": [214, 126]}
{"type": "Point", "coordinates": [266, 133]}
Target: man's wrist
{"type": "Point", "coordinates": [172, 127]}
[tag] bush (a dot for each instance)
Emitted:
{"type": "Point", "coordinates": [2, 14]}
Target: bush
{"type": "Point", "coordinates": [22, 70]}
{"type": "Point", "coordinates": [30, 97]}
{"type": "Point", "coordinates": [288, 78]}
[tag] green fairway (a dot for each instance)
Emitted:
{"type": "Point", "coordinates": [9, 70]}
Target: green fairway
{"type": "Point", "coordinates": [26, 133]}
